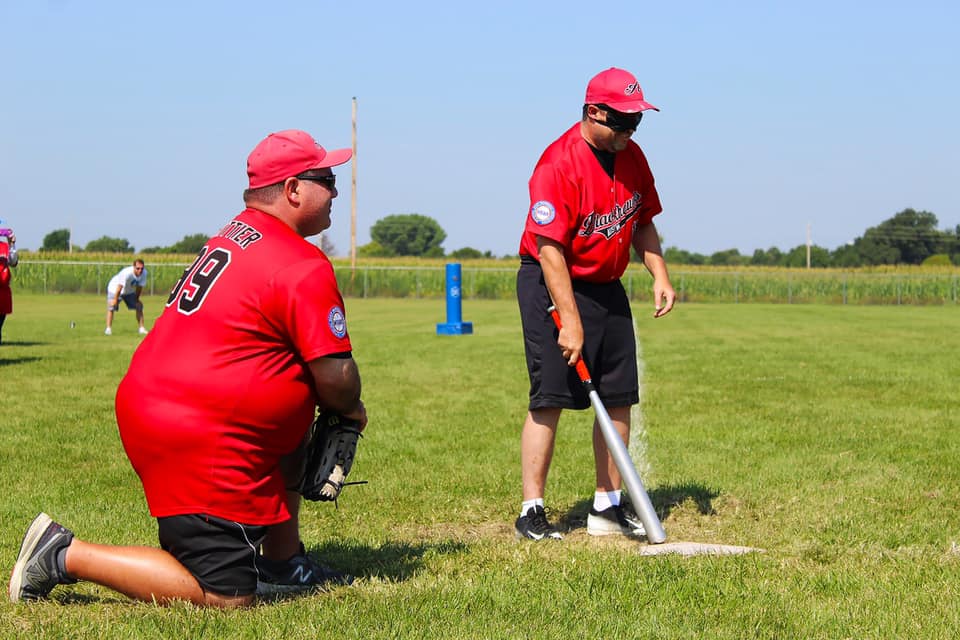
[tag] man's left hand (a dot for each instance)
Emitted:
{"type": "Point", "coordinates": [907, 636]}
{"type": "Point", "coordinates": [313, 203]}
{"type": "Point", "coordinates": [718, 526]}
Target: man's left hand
{"type": "Point", "coordinates": [664, 297]}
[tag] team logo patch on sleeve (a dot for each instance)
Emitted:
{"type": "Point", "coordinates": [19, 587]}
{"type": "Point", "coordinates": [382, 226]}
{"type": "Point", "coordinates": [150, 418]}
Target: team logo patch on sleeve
{"type": "Point", "coordinates": [337, 322]}
{"type": "Point", "coordinates": [543, 212]}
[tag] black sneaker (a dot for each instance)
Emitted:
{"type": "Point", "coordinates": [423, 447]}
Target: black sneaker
{"type": "Point", "coordinates": [299, 573]}
{"type": "Point", "coordinates": [614, 520]}
{"type": "Point", "coordinates": [535, 526]}
{"type": "Point", "coordinates": [36, 572]}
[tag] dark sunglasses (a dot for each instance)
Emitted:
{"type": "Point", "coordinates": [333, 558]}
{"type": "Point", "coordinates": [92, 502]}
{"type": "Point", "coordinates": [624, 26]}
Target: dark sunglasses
{"type": "Point", "coordinates": [330, 182]}
{"type": "Point", "coordinates": [619, 121]}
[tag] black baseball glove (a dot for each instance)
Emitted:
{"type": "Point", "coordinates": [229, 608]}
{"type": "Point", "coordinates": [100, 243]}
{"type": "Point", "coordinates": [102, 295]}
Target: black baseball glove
{"type": "Point", "coordinates": [330, 453]}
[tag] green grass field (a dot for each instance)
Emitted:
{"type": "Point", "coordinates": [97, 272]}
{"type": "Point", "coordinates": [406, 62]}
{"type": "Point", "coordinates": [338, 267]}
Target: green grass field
{"type": "Point", "coordinates": [825, 435]}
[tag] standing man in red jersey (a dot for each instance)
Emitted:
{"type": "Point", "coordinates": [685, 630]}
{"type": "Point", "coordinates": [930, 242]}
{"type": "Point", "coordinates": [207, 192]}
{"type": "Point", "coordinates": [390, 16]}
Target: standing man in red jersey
{"type": "Point", "coordinates": [592, 198]}
{"type": "Point", "coordinates": [217, 401]}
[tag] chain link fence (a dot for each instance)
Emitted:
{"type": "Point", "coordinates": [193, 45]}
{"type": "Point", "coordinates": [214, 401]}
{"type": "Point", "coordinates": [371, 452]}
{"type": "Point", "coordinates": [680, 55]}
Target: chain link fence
{"type": "Point", "coordinates": [774, 286]}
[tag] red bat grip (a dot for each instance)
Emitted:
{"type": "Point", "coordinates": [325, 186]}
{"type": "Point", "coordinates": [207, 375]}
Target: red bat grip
{"type": "Point", "coordinates": [581, 366]}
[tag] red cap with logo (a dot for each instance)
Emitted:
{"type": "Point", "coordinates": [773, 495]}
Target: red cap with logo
{"type": "Point", "coordinates": [288, 153]}
{"type": "Point", "coordinates": [619, 90]}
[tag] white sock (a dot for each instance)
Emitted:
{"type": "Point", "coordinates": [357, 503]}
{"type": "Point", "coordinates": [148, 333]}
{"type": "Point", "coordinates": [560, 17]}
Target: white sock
{"type": "Point", "coordinates": [530, 504]}
{"type": "Point", "coordinates": [606, 499]}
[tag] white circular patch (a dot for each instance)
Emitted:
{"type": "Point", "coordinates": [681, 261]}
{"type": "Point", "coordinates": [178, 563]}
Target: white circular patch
{"type": "Point", "coordinates": [543, 212]}
{"type": "Point", "coordinates": [337, 322]}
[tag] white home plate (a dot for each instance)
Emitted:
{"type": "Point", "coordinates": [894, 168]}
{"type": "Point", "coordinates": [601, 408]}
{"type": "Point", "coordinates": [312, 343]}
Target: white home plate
{"type": "Point", "coordinates": [694, 549]}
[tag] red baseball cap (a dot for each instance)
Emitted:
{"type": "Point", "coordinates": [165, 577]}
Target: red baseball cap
{"type": "Point", "coordinates": [619, 90]}
{"type": "Point", "coordinates": [288, 153]}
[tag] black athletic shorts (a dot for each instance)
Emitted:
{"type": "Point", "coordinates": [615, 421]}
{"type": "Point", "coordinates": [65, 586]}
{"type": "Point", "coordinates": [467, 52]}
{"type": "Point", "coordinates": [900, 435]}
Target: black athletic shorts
{"type": "Point", "coordinates": [609, 346]}
{"type": "Point", "coordinates": [221, 554]}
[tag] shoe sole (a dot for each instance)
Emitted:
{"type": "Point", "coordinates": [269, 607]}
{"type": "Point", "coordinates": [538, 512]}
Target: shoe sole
{"type": "Point", "coordinates": [271, 589]}
{"type": "Point", "coordinates": [522, 536]}
{"type": "Point", "coordinates": [27, 547]}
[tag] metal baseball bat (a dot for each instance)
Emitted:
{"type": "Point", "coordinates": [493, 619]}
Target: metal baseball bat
{"type": "Point", "coordinates": [619, 453]}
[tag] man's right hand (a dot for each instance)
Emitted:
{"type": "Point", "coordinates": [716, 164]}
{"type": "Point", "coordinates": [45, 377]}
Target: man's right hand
{"type": "Point", "coordinates": [557, 279]}
{"type": "Point", "coordinates": [570, 340]}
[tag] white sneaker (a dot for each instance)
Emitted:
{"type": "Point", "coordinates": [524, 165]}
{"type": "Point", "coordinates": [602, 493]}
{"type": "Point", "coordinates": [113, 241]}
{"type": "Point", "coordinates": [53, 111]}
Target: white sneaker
{"type": "Point", "coordinates": [614, 520]}
{"type": "Point", "coordinates": [108, 332]}
{"type": "Point", "coordinates": [143, 331]}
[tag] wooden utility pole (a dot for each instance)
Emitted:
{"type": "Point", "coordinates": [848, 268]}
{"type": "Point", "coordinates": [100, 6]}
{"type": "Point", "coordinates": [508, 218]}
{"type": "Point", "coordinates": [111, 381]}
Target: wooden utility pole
{"type": "Point", "coordinates": [353, 194]}
{"type": "Point", "coordinates": [808, 245]}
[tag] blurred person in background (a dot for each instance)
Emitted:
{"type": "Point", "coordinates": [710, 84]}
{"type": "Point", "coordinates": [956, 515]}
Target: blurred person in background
{"type": "Point", "coordinates": [8, 259]}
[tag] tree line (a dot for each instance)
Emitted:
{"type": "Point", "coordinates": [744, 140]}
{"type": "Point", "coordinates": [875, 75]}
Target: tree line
{"type": "Point", "coordinates": [59, 240]}
{"type": "Point", "coordinates": [909, 237]}
{"type": "Point", "coordinates": [394, 235]}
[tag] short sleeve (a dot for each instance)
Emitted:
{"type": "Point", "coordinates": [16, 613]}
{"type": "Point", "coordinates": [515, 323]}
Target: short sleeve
{"type": "Point", "coordinates": [306, 306]}
{"type": "Point", "coordinates": [551, 212]}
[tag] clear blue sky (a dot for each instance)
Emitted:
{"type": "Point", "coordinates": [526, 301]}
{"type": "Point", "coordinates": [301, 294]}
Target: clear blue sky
{"type": "Point", "coordinates": [134, 119]}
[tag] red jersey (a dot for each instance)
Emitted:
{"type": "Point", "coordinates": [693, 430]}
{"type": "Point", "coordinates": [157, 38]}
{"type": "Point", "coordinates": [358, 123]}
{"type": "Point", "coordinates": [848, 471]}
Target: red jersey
{"type": "Point", "coordinates": [6, 297]}
{"type": "Point", "coordinates": [574, 202]}
{"type": "Point", "coordinates": [220, 389]}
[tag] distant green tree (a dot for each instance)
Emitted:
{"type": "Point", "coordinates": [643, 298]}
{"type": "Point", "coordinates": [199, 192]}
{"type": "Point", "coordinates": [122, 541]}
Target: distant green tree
{"type": "Point", "coordinates": [467, 253]}
{"type": "Point", "coordinates": [374, 249]}
{"type": "Point", "coordinates": [952, 244]}
{"type": "Point", "coordinates": [730, 257]}
{"type": "Point", "coordinates": [908, 237]}
{"type": "Point", "coordinates": [875, 248]}
{"type": "Point", "coordinates": [846, 256]}
{"type": "Point", "coordinates": [107, 244]}
{"type": "Point", "coordinates": [190, 244]}
{"type": "Point", "coordinates": [57, 240]}
{"type": "Point", "coordinates": [797, 257]}
{"type": "Point", "coordinates": [409, 234]}
{"type": "Point", "coordinates": [674, 255]}
{"type": "Point", "coordinates": [772, 257]}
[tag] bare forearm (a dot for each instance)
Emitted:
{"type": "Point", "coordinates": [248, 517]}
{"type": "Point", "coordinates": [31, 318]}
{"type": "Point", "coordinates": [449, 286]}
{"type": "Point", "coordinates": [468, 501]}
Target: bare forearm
{"type": "Point", "coordinates": [646, 242]}
{"type": "Point", "coordinates": [556, 276]}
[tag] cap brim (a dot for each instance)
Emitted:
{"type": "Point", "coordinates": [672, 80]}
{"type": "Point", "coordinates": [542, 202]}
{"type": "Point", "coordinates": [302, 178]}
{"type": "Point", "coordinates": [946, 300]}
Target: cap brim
{"type": "Point", "coordinates": [334, 158]}
{"type": "Point", "coordinates": [632, 106]}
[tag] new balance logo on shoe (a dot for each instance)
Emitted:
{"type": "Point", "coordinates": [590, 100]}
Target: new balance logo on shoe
{"type": "Point", "coordinates": [301, 574]}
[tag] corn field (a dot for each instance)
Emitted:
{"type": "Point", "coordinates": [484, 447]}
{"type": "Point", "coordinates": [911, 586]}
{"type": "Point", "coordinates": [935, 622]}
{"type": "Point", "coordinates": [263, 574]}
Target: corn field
{"type": "Point", "coordinates": [788, 286]}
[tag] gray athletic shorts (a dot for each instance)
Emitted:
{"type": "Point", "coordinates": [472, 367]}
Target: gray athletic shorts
{"type": "Point", "coordinates": [609, 346]}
